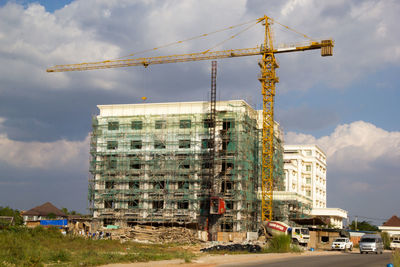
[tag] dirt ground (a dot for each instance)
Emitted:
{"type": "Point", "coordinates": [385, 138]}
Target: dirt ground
{"type": "Point", "coordinates": [215, 260]}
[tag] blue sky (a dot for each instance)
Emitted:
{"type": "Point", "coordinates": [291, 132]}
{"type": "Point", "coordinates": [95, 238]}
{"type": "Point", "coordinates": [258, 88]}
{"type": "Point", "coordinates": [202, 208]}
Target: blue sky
{"type": "Point", "coordinates": [347, 104]}
{"type": "Point", "coordinates": [50, 5]}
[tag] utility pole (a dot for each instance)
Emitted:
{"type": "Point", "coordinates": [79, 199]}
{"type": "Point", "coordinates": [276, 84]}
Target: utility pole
{"type": "Point", "coordinates": [356, 223]}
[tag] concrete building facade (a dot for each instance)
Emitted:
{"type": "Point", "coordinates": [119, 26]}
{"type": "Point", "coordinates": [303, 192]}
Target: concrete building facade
{"type": "Point", "coordinates": [150, 163]}
{"type": "Point", "coordinates": [305, 172]}
{"type": "Point", "coordinates": [305, 175]}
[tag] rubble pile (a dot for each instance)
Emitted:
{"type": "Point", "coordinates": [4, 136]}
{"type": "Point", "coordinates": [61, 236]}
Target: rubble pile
{"type": "Point", "coordinates": [233, 247]}
{"type": "Point", "coordinates": [161, 234]}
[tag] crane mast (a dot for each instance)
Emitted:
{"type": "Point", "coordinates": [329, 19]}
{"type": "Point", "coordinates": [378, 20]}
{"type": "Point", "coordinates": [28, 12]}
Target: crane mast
{"type": "Point", "coordinates": [268, 80]}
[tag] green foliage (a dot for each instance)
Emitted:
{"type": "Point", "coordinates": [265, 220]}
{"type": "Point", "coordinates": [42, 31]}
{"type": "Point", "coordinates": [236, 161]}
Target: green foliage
{"type": "Point", "coordinates": [386, 240]}
{"type": "Point", "coordinates": [51, 216]}
{"type": "Point", "coordinates": [396, 258]}
{"type": "Point", "coordinates": [7, 211]}
{"type": "Point", "coordinates": [281, 244]}
{"type": "Point", "coordinates": [21, 246]}
{"type": "Point", "coordinates": [67, 212]}
{"type": "Point", "coordinates": [363, 226]}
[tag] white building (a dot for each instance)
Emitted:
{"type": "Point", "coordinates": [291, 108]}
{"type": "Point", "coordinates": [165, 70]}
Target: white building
{"type": "Point", "coordinates": [305, 172]}
{"type": "Point", "coordinates": [305, 175]}
{"type": "Point", "coordinates": [391, 226]}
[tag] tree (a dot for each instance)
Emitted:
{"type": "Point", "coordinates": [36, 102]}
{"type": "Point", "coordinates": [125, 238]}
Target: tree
{"type": "Point", "coordinates": [51, 216]}
{"type": "Point", "coordinates": [363, 226]}
{"type": "Point", "coordinates": [65, 210]}
{"type": "Point", "coordinates": [72, 212]}
{"type": "Point", "coordinates": [7, 211]}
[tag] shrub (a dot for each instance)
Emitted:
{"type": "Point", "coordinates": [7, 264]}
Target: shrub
{"type": "Point", "coordinates": [280, 244]}
{"type": "Point", "coordinates": [386, 240]}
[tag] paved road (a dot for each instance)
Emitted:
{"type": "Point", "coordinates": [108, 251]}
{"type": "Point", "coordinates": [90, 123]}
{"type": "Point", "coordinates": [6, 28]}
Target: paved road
{"type": "Point", "coordinates": [342, 260]}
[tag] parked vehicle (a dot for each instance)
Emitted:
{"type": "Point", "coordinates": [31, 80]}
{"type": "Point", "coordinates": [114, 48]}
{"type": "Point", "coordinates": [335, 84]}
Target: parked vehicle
{"type": "Point", "coordinates": [371, 243]}
{"type": "Point", "coordinates": [299, 235]}
{"type": "Point", "coordinates": [395, 242]}
{"type": "Point", "coordinates": [342, 243]}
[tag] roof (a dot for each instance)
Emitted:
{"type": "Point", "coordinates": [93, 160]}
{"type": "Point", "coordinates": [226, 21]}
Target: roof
{"type": "Point", "coordinates": [309, 221]}
{"type": "Point", "coordinates": [393, 221]}
{"type": "Point", "coordinates": [44, 210]}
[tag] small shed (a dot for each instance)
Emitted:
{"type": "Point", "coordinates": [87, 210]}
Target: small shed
{"type": "Point", "coordinates": [322, 238]}
{"type": "Point", "coordinates": [34, 216]}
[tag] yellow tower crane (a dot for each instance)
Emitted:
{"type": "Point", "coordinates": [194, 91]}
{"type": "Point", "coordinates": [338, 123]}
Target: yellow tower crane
{"type": "Point", "coordinates": [268, 79]}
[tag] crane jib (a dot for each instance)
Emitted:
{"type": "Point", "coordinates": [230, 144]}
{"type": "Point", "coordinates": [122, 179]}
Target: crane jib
{"type": "Point", "coordinates": [325, 46]}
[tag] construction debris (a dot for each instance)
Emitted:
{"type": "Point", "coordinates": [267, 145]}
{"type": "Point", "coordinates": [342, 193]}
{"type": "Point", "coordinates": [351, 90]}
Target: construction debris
{"type": "Point", "coordinates": [234, 247]}
{"type": "Point", "coordinates": [154, 234]}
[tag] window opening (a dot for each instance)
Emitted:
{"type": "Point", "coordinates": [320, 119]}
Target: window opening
{"type": "Point", "coordinates": [159, 144]}
{"type": "Point", "coordinates": [109, 185]}
{"type": "Point", "coordinates": [228, 124]}
{"type": "Point", "coordinates": [137, 125]}
{"type": "Point", "coordinates": [161, 124]}
{"type": "Point", "coordinates": [133, 204]}
{"type": "Point", "coordinates": [113, 125]}
{"type": "Point", "coordinates": [135, 164]}
{"type": "Point", "coordinates": [136, 144]}
{"type": "Point", "coordinates": [184, 124]}
{"type": "Point", "coordinates": [183, 205]}
{"type": "Point", "coordinates": [108, 204]}
{"type": "Point", "coordinates": [134, 185]}
{"type": "Point", "coordinates": [184, 143]}
{"type": "Point", "coordinates": [158, 204]}
{"type": "Point", "coordinates": [112, 145]}
{"type": "Point", "coordinates": [183, 185]}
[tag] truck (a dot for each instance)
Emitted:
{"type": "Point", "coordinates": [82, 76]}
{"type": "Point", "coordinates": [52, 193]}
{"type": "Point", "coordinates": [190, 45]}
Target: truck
{"type": "Point", "coordinates": [342, 243]}
{"type": "Point", "coordinates": [299, 235]}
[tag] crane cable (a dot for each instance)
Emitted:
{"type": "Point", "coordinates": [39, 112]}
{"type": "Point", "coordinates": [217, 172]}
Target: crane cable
{"type": "Point", "coordinates": [217, 31]}
{"type": "Point", "coordinates": [231, 37]}
{"type": "Point", "coordinates": [293, 30]}
{"type": "Point", "coordinates": [188, 39]}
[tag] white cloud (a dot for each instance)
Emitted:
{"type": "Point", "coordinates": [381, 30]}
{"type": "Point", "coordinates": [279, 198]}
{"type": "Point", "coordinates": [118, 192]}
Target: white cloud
{"type": "Point", "coordinates": [362, 168]}
{"type": "Point", "coordinates": [59, 155]}
{"type": "Point", "coordinates": [37, 39]}
{"type": "Point", "coordinates": [32, 39]}
{"type": "Point", "coordinates": [365, 34]}
{"type": "Point", "coordinates": [355, 147]}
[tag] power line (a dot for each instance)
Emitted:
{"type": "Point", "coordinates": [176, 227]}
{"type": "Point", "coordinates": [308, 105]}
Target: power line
{"type": "Point", "coordinates": [364, 217]}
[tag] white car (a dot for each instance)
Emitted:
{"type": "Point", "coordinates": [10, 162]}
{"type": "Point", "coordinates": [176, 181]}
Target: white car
{"type": "Point", "coordinates": [395, 242]}
{"type": "Point", "coordinates": [342, 243]}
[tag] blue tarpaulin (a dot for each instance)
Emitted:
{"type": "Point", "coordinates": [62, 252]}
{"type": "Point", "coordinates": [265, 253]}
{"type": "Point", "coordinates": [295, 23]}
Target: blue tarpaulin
{"type": "Point", "coordinates": [54, 222]}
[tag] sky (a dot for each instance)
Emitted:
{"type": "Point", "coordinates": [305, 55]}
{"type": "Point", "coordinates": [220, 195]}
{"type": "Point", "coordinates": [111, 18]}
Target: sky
{"type": "Point", "coordinates": [347, 104]}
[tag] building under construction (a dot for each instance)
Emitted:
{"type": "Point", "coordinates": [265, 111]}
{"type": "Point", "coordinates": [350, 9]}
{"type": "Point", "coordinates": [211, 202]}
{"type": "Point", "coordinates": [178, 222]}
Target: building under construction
{"type": "Point", "coordinates": [156, 164]}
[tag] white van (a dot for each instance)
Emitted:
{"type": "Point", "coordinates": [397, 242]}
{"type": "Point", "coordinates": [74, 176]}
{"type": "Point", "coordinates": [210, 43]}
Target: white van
{"type": "Point", "coordinates": [371, 243]}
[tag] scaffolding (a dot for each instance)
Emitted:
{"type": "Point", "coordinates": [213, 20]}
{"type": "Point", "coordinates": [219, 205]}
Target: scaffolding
{"type": "Point", "coordinates": [151, 168]}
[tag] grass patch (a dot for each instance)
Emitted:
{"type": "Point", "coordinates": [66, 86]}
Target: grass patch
{"type": "Point", "coordinates": [20, 246]}
{"type": "Point", "coordinates": [396, 258]}
{"type": "Point", "coordinates": [281, 244]}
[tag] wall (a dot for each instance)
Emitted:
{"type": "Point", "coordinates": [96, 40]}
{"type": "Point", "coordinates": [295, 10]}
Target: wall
{"type": "Point", "coordinates": [322, 239]}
